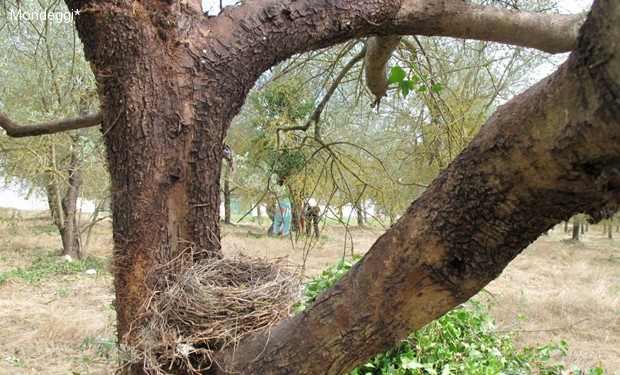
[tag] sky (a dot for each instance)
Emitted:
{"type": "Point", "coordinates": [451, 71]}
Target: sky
{"type": "Point", "coordinates": [574, 6]}
{"type": "Point", "coordinates": [12, 197]}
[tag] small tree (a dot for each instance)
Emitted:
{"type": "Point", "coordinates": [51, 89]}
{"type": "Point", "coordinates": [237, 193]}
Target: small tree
{"type": "Point", "coordinates": [53, 73]}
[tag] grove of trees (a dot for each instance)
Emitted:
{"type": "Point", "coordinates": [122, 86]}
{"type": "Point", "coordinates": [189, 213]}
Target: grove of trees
{"type": "Point", "coordinates": [170, 80]}
{"type": "Point", "coordinates": [45, 76]}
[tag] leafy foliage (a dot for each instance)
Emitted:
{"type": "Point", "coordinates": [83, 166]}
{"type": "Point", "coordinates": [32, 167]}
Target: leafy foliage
{"type": "Point", "coordinates": [287, 163]}
{"type": "Point", "coordinates": [464, 341]}
{"type": "Point", "coordinates": [327, 278]}
{"type": "Point", "coordinates": [398, 75]}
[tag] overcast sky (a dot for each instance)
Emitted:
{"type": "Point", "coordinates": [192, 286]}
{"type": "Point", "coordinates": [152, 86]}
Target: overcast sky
{"type": "Point", "coordinates": [566, 6]}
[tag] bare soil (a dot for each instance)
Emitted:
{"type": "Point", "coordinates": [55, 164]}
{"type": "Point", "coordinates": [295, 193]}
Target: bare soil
{"type": "Point", "coordinates": [556, 290]}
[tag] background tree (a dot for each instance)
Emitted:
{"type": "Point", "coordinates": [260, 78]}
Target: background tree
{"type": "Point", "coordinates": [48, 77]}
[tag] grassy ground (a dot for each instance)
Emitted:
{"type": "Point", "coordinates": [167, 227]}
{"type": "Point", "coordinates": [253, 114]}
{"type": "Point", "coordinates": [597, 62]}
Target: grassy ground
{"type": "Point", "coordinates": [56, 319]}
{"type": "Point", "coordinates": [559, 289]}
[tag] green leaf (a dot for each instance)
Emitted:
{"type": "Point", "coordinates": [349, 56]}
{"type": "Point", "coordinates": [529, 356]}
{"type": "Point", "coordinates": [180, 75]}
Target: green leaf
{"type": "Point", "coordinates": [422, 88]}
{"type": "Point", "coordinates": [405, 87]}
{"type": "Point", "coordinates": [437, 87]}
{"type": "Point", "coordinates": [410, 364]}
{"type": "Point", "coordinates": [397, 74]}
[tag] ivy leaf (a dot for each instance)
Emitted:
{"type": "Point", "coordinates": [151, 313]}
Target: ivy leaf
{"type": "Point", "coordinates": [410, 364]}
{"type": "Point", "coordinates": [422, 88]}
{"type": "Point", "coordinates": [437, 87]}
{"type": "Point", "coordinates": [405, 87]}
{"type": "Point", "coordinates": [397, 74]}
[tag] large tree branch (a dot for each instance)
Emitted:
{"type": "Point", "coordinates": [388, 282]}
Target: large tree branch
{"type": "Point", "coordinates": [259, 30]}
{"type": "Point", "coordinates": [552, 33]}
{"type": "Point", "coordinates": [542, 157]}
{"type": "Point", "coordinates": [16, 130]}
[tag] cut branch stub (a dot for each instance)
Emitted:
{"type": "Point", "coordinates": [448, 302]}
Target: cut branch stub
{"type": "Point", "coordinates": [379, 50]}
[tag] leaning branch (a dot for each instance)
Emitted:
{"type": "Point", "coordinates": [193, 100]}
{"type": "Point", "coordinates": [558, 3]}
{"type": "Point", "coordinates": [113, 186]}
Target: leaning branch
{"type": "Point", "coordinates": [542, 157]}
{"type": "Point", "coordinates": [16, 130]}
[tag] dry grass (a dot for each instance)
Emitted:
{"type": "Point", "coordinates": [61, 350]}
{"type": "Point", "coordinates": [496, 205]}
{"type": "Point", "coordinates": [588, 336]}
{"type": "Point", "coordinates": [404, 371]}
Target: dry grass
{"type": "Point", "coordinates": [309, 254]}
{"type": "Point", "coordinates": [566, 291]}
{"type": "Point", "coordinates": [43, 328]}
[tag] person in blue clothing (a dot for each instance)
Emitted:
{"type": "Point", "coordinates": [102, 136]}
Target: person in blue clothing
{"type": "Point", "coordinates": [282, 218]}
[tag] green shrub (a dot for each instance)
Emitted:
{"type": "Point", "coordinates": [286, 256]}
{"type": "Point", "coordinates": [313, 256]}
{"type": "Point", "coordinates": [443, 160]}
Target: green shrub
{"type": "Point", "coordinates": [49, 265]}
{"type": "Point", "coordinates": [464, 341]}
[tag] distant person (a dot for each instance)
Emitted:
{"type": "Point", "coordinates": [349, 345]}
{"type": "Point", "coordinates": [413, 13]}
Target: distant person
{"type": "Point", "coordinates": [282, 219]}
{"type": "Point", "coordinates": [271, 212]}
{"type": "Point", "coordinates": [311, 214]}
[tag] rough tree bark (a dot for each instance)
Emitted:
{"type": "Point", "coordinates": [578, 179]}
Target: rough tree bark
{"type": "Point", "coordinates": [170, 80]}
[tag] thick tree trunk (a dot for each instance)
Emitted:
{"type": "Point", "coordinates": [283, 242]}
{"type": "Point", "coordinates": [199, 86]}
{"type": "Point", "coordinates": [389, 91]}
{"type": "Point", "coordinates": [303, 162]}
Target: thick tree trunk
{"type": "Point", "coordinates": [295, 195]}
{"type": "Point", "coordinates": [360, 215]}
{"type": "Point", "coordinates": [164, 117]}
{"type": "Point", "coordinates": [259, 214]}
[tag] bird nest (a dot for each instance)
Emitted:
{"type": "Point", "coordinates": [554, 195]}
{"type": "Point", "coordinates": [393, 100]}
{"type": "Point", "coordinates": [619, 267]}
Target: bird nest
{"type": "Point", "coordinates": [211, 307]}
